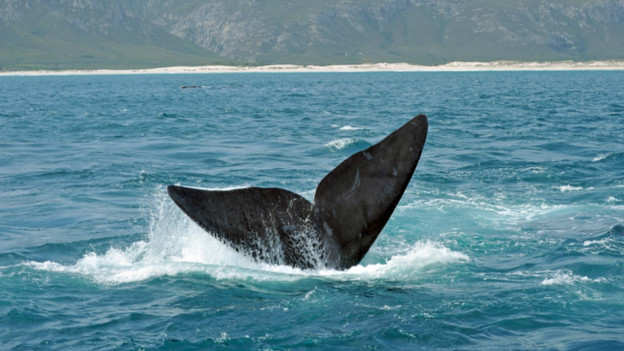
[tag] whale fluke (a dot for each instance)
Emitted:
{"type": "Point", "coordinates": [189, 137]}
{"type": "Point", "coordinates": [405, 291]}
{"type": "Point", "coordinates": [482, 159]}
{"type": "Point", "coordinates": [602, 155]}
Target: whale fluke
{"type": "Point", "coordinates": [351, 206]}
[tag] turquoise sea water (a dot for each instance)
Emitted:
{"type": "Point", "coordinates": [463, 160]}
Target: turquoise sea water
{"type": "Point", "coordinates": [509, 236]}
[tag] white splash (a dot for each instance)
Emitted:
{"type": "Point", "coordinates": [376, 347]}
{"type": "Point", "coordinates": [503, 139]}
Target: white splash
{"type": "Point", "coordinates": [601, 242]}
{"type": "Point", "coordinates": [568, 187]}
{"type": "Point", "coordinates": [419, 256]}
{"type": "Point", "coordinates": [348, 127]}
{"type": "Point", "coordinates": [566, 277]}
{"type": "Point", "coordinates": [612, 200]}
{"type": "Point", "coordinates": [600, 157]}
{"type": "Point", "coordinates": [340, 144]}
{"type": "Point", "coordinates": [176, 245]}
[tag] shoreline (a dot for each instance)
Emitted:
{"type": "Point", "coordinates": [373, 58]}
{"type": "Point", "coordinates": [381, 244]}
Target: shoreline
{"type": "Point", "coordinates": [457, 66]}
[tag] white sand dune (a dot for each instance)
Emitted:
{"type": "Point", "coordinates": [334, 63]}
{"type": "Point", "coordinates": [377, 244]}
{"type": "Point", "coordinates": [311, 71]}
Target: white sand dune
{"type": "Point", "coordinates": [366, 67]}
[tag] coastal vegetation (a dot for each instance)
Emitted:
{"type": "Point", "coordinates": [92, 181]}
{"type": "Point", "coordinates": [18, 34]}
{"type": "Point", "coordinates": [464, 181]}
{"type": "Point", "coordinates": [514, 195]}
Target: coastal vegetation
{"type": "Point", "coordinates": [88, 34]}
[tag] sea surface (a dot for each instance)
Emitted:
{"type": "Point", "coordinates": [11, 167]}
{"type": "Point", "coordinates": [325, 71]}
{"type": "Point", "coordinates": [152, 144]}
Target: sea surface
{"type": "Point", "coordinates": [509, 236]}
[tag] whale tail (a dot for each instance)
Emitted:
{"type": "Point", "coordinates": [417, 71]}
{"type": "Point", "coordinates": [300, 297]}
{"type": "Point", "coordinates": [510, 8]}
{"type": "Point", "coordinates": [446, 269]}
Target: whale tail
{"type": "Point", "coordinates": [351, 206]}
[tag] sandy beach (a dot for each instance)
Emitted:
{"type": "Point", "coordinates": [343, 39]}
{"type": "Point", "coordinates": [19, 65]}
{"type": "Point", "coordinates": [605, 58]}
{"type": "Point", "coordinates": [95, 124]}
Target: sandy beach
{"type": "Point", "coordinates": [366, 67]}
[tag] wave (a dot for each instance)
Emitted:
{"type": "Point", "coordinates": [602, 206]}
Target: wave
{"type": "Point", "coordinates": [348, 127]}
{"type": "Point", "coordinates": [340, 144]}
{"type": "Point", "coordinates": [512, 209]}
{"type": "Point", "coordinates": [610, 242]}
{"type": "Point", "coordinates": [568, 187]}
{"type": "Point", "coordinates": [347, 145]}
{"type": "Point", "coordinates": [402, 266]}
{"type": "Point", "coordinates": [601, 157]}
{"type": "Point", "coordinates": [176, 245]}
{"type": "Point", "coordinates": [566, 277]}
{"type": "Point", "coordinates": [493, 211]}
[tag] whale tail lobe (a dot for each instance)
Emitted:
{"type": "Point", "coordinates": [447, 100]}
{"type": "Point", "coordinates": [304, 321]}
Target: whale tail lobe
{"type": "Point", "coordinates": [351, 206]}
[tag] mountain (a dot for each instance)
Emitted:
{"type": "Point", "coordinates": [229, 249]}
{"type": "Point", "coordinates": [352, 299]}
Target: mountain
{"type": "Point", "coordinates": [149, 33]}
{"type": "Point", "coordinates": [66, 34]}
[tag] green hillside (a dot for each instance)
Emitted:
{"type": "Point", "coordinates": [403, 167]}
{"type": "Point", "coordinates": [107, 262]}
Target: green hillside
{"type": "Point", "coordinates": [63, 34]}
{"type": "Point", "coordinates": [42, 38]}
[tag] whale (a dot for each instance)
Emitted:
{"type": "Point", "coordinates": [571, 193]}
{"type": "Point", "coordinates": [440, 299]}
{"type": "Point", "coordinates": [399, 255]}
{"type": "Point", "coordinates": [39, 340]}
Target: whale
{"type": "Point", "coordinates": [351, 206]}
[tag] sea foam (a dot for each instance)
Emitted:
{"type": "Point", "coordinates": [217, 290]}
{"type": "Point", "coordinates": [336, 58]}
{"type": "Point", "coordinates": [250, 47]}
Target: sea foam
{"type": "Point", "coordinates": [565, 277]}
{"type": "Point", "coordinates": [340, 144]}
{"type": "Point", "coordinates": [348, 127]}
{"type": "Point", "coordinates": [176, 245]}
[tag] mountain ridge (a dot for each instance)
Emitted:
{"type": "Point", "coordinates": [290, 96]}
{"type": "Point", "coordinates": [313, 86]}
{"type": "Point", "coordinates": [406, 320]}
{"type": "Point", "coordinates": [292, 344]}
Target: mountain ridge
{"type": "Point", "coordinates": [61, 34]}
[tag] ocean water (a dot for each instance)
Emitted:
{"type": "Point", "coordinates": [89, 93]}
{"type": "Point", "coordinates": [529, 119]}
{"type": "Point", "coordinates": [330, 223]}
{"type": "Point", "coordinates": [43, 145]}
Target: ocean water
{"type": "Point", "coordinates": [509, 236]}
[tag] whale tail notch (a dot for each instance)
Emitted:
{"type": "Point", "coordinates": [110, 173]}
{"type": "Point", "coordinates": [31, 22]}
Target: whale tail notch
{"type": "Point", "coordinates": [351, 206]}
